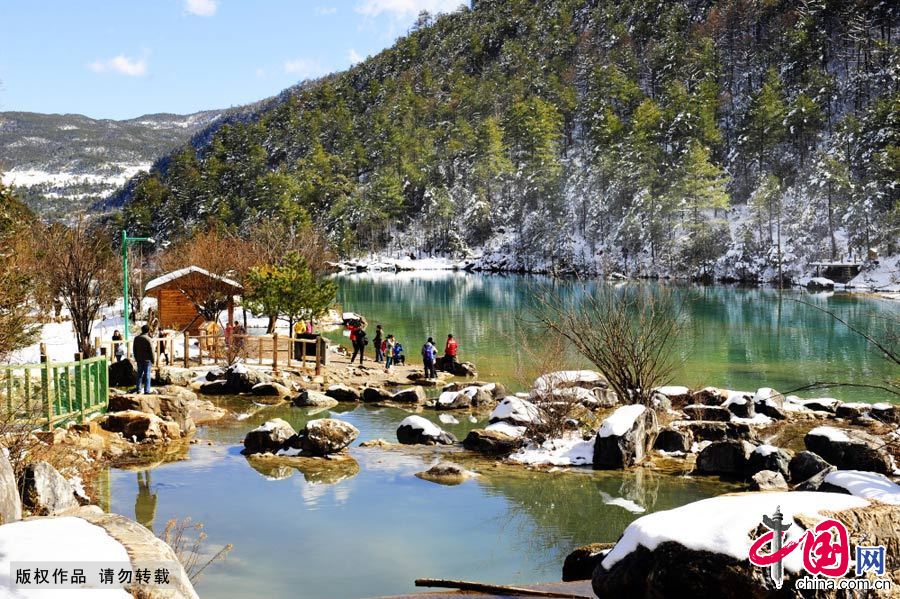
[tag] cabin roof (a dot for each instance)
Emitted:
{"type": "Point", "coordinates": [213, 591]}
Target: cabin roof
{"type": "Point", "coordinates": [183, 272]}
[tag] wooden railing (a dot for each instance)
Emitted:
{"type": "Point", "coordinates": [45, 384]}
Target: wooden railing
{"type": "Point", "coordinates": [51, 393]}
{"type": "Point", "coordinates": [195, 350]}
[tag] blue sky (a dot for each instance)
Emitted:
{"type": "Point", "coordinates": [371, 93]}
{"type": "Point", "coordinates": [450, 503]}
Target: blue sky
{"type": "Point", "coordinates": [124, 58]}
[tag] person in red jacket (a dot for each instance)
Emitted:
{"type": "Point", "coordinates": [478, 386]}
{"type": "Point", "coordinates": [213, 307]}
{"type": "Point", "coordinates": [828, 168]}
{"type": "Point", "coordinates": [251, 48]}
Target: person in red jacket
{"type": "Point", "coordinates": [450, 349]}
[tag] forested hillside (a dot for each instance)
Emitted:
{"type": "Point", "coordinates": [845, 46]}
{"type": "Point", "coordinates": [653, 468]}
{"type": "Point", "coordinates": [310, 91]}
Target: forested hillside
{"type": "Point", "coordinates": [739, 138]}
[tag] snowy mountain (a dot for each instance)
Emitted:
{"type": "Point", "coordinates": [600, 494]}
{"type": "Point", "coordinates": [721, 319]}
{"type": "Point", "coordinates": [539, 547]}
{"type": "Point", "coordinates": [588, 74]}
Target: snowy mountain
{"type": "Point", "coordinates": [726, 139]}
{"type": "Point", "coordinates": [60, 164]}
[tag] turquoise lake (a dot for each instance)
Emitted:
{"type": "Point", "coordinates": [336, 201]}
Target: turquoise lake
{"type": "Point", "coordinates": [369, 527]}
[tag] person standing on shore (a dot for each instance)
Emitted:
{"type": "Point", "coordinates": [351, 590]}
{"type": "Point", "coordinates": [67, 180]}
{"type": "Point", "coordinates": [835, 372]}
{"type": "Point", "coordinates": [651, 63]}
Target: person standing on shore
{"type": "Point", "coordinates": [450, 350]}
{"type": "Point", "coordinates": [142, 348]}
{"type": "Point", "coordinates": [118, 348]}
{"type": "Point", "coordinates": [359, 345]}
{"type": "Point", "coordinates": [429, 355]}
{"type": "Point", "coordinates": [379, 339]}
{"type": "Point", "coordinates": [388, 352]}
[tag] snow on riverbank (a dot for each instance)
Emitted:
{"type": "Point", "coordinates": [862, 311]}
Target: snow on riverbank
{"type": "Point", "coordinates": [571, 450]}
{"type": "Point", "coordinates": [867, 485]}
{"type": "Point", "coordinates": [65, 539]}
{"type": "Point", "coordinates": [722, 524]}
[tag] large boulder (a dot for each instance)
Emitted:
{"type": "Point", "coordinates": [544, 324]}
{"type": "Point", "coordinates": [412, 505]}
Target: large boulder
{"type": "Point", "coordinates": [770, 402]}
{"type": "Point", "coordinates": [717, 431]}
{"type": "Point", "coordinates": [413, 395]}
{"type": "Point", "coordinates": [10, 503]}
{"type": "Point", "coordinates": [271, 389]}
{"type": "Point", "coordinates": [701, 549]}
{"type": "Point", "coordinates": [313, 399]}
{"type": "Point", "coordinates": [268, 437]}
{"type": "Point", "coordinates": [768, 480]}
{"type": "Point", "coordinates": [676, 394]}
{"type": "Point", "coordinates": [805, 465]}
{"type": "Point", "coordinates": [625, 437]}
{"type": "Point", "coordinates": [492, 442]}
{"type": "Point", "coordinates": [216, 387]}
{"type": "Point", "coordinates": [728, 458]}
{"type": "Point", "coordinates": [324, 436]}
{"type": "Point", "coordinates": [45, 491]}
{"type": "Point", "coordinates": [467, 397]}
{"type": "Point", "coordinates": [415, 430]}
{"type": "Point", "coordinates": [122, 373]}
{"type": "Point", "coordinates": [456, 368]}
{"type": "Point", "coordinates": [741, 405]}
{"type": "Point", "coordinates": [671, 439]}
{"type": "Point", "coordinates": [376, 395]}
{"type": "Point", "coordinates": [849, 449]}
{"type": "Point", "coordinates": [242, 379]}
{"type": "Point", "coordinates": [710, 396]}
{"type": "Point", "coordinates": [852, 411]}
{"type": "Point", "coordinates": [138, 426]}
{"type": "Point", "coordinates": [342, 393]}
{"type": "Point", "coordinates": [581, 562]}
{"type": "Point", "coordinates": [170, 375]}
{"type": "Point", "coordinates": [707, 413]}
{"type": "Point", "coordinates": [169, 407]}
{"type": "Point", "coordinates": [769, 457]}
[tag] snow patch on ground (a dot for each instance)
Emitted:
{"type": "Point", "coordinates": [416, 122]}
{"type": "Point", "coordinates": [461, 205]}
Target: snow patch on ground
{"type": "Point", "coordinates": [833, 434]}
{"type": "Point", "coordinates": [570, 450]}
{"type": "Point", "coordinates": [885, 276]}
{"type": "Point", "coordinates": [722, 524]}
{"type": "Point", "coordinates": [506, 428]}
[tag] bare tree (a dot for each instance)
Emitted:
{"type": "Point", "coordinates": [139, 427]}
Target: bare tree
{"type": "Point", "coordinates": [80, 264]}
{"type": "Point", "coordinates": [628, 333]}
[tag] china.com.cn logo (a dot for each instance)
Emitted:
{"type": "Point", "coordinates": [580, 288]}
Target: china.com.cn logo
{"type": "Point", "coordinates": [826, 553]}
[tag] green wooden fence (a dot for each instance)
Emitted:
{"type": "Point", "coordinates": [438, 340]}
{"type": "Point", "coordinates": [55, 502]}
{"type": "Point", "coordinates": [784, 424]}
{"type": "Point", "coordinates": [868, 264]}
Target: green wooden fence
{"type": "Point", "coordinates": [53, 393]}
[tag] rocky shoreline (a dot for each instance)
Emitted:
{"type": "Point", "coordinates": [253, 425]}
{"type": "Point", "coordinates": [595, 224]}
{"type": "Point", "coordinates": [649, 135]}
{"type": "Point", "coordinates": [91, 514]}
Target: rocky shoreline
{"type": "Point", "coordinates": [759, 441]}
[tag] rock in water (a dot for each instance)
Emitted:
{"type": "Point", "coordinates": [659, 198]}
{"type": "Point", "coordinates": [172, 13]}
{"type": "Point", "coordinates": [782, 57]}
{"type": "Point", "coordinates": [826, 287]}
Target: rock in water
{"type": "Point", "coordinates": [414, 395]}
{"type": "Point", "coordinates": [849, 449]}
{"type": "Point", "coordinates": [138, 426]}
{"type": "Point", "coordinates": [700, 549]}
{"type": "Point", "coordinates": [445, 473]}
{"type": "Point", "coordinates": [491, 442]}
{"type": "Point", "coordinates": [271, 389]}
{"type": "Point", "coordinates": [171, 407]}
{"type": "Point", "coordinates": [342, 393]}
{"type": "Point", "coordinates": [625, 437]}
{"type": "Point", "coordinates": [269, 437]}
{"type": "Point", "coordinates": [45, 491]}
{"type": "Point", "coordinates": [725, 457]}
{"type": "Point", "coordinates": [375, 395]}
{"type": "Point", "coordinates": [171, 375]}
{"type": "Point", "coordinates": [10, 504]}
{"type": "Point", "coordinates": [326, 436]}
{"type": "Point", "coordinates": [313, 399]}
{"type": "Point", "coordinates": [580, 564]}
{"type": "Point", "coordinates": [415, 430]}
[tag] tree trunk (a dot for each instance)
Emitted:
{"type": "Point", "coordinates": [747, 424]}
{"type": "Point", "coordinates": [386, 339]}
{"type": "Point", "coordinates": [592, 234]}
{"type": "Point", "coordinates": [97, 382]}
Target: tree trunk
{"type": "Point", "coordinates": [270, 328]}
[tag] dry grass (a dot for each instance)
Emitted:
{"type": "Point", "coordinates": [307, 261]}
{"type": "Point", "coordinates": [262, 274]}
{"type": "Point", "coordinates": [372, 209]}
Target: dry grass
{"type": "Point", "coordinates": [187, 540]}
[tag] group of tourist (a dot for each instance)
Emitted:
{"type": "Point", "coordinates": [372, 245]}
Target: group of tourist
{"type": "Point", "coordinates": [390, 351]}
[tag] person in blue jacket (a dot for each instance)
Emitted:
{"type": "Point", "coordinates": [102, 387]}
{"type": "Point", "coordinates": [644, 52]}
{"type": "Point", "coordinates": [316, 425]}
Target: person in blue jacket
{"type": "Point", "coordinates": [429, 355]}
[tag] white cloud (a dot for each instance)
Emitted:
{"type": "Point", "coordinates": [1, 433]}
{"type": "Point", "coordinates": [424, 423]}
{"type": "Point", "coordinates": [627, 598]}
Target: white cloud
{"type": "Point", "coordinates": [325, 10]}
{"type": "Point", "coordinates": [260, 72]}
{"type": "Point", "coordinates": [201, 8]}
{"type": "Point", "coordinates": [122, 65]}
{"type": "Point", "coordinates": [354, 57]}
{"type": "Point", "coordinates": [406, 8]}
{"type": "Point", "coordinates": [304, 67]}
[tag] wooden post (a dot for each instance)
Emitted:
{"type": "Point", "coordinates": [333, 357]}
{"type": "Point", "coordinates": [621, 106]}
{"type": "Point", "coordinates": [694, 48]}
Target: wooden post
{"type": "Point", "coordinates": [260, 354]}
{"type": "Point", "coordinates": [45, 387]}
{"type": "Point", "coordinates": [320, 355]}
{"type": "Point", "coordinates": [275, 353]}
{"type": "Point", "coordinates": [79, 390]}
{"type": "Point", "coordinates": [156, 352]}
{"type": "Point", "coordinates": [187, 349]}
{"type": "Point", "coordinates": [97, 345]}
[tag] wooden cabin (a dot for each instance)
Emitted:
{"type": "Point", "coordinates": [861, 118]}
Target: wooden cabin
{"type": "Point", "coordinates": [176, 292]}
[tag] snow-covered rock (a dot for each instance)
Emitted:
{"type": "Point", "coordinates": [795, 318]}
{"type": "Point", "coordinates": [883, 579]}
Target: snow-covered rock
{"type": "Point", "coordinates": [562, 379]}
{"type": "Point", "coordinates": [868, 485]}
{"type": "Point", "coordinates": [268, 437]}
{"type": "Point", "coordinates": [45, 491]}
{"type": "Point", "coordinates": [10, 502]}
{"type": "Point", "coordinates": [342, 393]}
{"type": "Point", "coordinates": [493, 442]}
{"type": "Point", "coordinates": [415, 430]}
{"type": "Point", "coordinates": [729, 458]}
{"type": "Point", "coordinates": [517, 411]}
{"type": "Point", "coordinates": [625, 437]}
{"type": "Point", "coordinates": [322, 437]}
{"type": "Point", "coordinates": [703, 546]}
{"type": "Point", "coordinates": [849, 449]}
